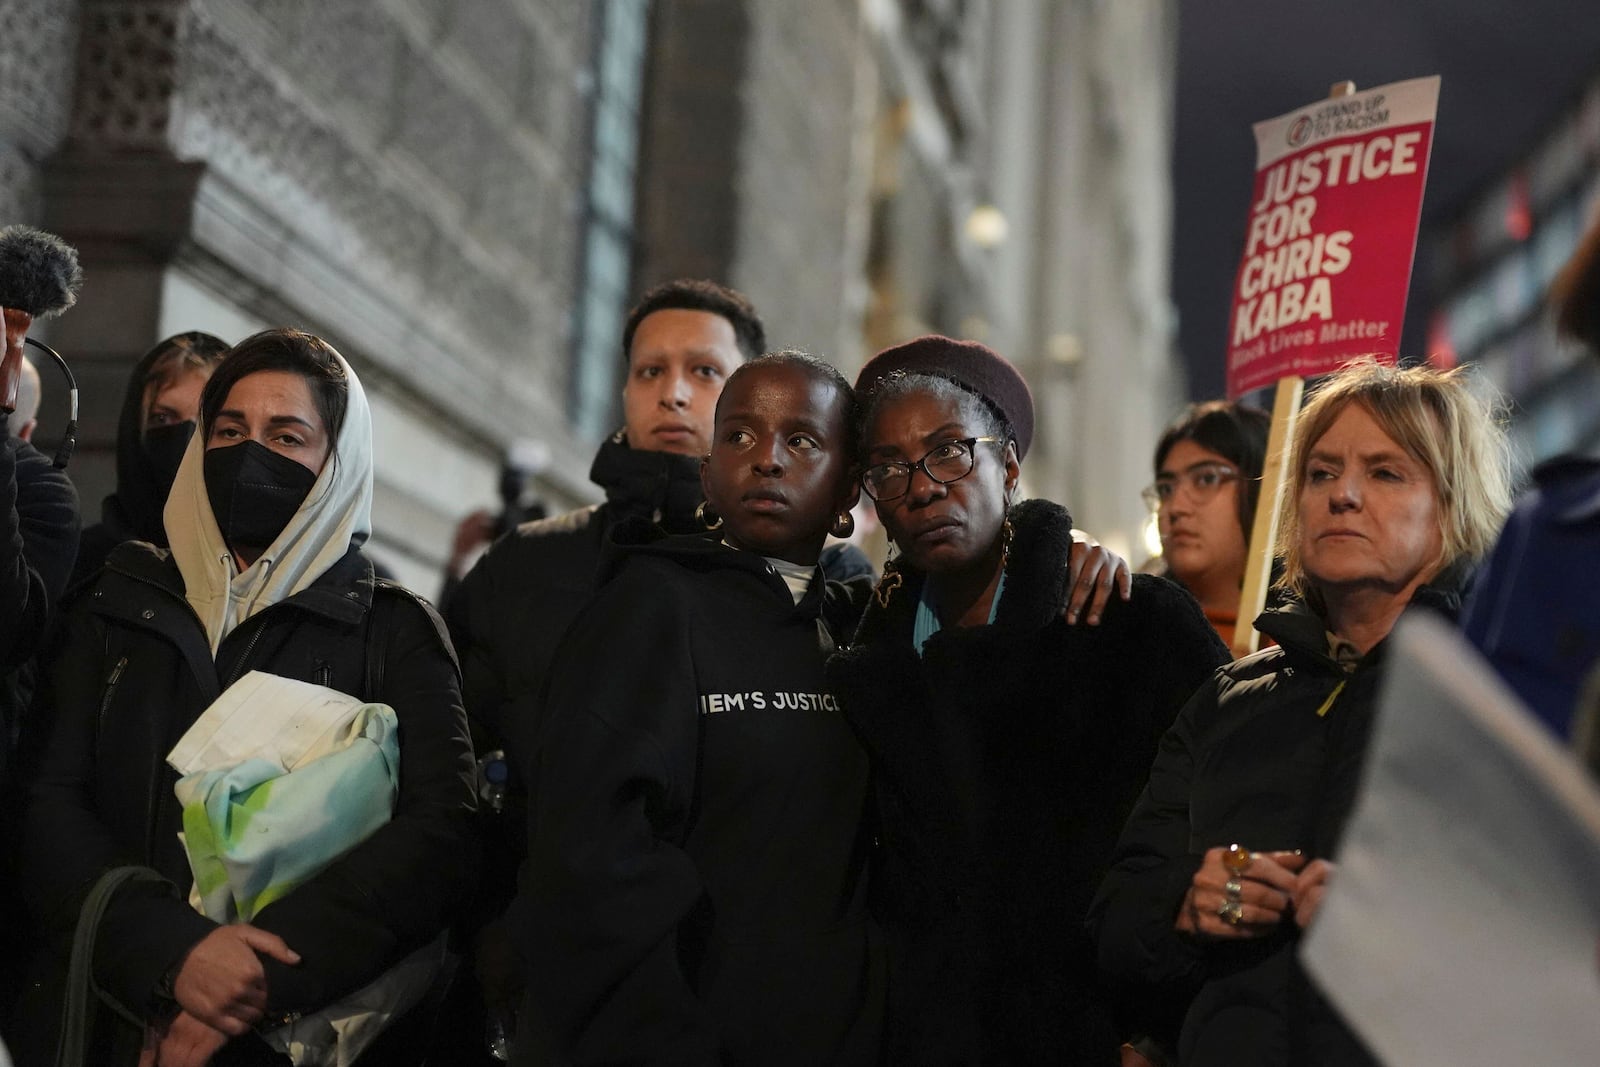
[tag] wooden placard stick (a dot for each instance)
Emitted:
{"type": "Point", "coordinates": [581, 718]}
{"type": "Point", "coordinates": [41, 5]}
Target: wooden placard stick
{"type": "Point", "coordinates": [1264, 532]}
{"type": "Point", "coordinates": [1274, 476]}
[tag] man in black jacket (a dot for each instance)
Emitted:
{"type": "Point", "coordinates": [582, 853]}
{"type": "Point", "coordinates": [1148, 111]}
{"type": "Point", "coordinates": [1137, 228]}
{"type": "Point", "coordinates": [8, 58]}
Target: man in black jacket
{"type": "Point", "coordinates": [510, 612]}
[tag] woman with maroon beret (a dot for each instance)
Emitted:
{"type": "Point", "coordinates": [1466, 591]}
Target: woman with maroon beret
{"type": "Point", "coordinates": [1007, 746]}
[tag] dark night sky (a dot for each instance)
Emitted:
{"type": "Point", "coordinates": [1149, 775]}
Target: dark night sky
{"type": "Point", "coordinates": [1509, 70]}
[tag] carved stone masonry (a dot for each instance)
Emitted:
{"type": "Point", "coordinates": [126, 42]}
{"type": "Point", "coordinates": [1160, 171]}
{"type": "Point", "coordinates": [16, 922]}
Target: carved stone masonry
{"type": "Point", "coordinates": [127, 71]}
{"type": "Point", "coordinates": [36, 63]}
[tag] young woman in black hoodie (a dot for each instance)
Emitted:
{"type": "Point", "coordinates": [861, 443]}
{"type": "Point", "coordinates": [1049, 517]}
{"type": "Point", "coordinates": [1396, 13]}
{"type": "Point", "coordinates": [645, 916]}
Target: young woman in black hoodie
{"type": "Point", "coordinates": [159, 411]}
{"type": "Point", "coordinates": [697, 837]}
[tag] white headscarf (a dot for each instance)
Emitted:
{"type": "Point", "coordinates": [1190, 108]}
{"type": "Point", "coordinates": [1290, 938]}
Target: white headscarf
{"type": "Point", "coordinates": [335, 513]}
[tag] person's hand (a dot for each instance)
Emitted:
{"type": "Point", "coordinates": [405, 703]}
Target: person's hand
{"type": "Point", "coordinates": [153, 1033]}
{"type": "Point", "coordinates": [186, 1042]}
{"type": "Point", "coordinates": [1259, 886]}
{"type": "Point", "coordinates": [221, 982]}
{"type": "Point", "coordinates": [1308, 890]}
{"type": "Point", "coordinates": [1132, 1057]}
{"type": "Point", "coordinates": [1093, 570]}
{"type": "Point", "coordinates": [17, 322]}
{"type": "Point", "coordinates": [472, 533]}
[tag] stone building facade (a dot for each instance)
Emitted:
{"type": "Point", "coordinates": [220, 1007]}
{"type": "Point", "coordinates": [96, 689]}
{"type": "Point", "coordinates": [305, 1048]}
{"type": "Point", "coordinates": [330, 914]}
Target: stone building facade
{"type": "Point", "coordinates": [1021, 196]}
{"type": "Point", "coordinates": [834, 160]}
{"type": "Point", "coordinates": [464, 196]}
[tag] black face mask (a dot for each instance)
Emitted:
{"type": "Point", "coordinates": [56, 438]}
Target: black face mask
{"type": "Point", "coordinates": [163, 448]}
{"type": "Point", "coordinates": [254, 492]}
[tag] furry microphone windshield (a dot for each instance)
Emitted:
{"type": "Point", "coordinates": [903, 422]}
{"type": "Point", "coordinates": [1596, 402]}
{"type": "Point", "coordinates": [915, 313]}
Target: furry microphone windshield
{"type": "Point", "coordinates": [39, 277]}
{"type": "Point", "coordinates": [39, 272]}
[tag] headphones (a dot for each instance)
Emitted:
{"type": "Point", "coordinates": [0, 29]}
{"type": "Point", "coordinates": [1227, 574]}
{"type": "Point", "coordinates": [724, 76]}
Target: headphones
{"type": "Point", "coordinates": [69, 439]}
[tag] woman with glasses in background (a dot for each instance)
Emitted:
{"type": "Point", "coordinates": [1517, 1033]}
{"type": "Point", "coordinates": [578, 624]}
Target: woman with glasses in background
{"type": "Point", "coordinates": [1208, 474]}
{"type": "Point", "coordinates": [1007, 745]}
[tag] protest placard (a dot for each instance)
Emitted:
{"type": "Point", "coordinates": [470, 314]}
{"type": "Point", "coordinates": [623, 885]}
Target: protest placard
{"type": "Point", "coordinates": [1331, 235]}
{"type": "Point", "coordinates": [1326, 265]}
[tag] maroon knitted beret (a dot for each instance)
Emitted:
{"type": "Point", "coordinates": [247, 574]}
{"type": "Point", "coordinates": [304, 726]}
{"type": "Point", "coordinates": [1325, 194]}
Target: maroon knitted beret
{"type": "Point", "coordinates": [976, 368]}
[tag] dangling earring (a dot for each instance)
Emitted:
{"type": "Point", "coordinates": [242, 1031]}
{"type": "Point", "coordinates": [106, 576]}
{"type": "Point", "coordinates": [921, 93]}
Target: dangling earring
{"type": "Point", "coordinates": [844, 524]}
{"type": "Point", "coordinates": [700, 513]}
{"type": "Point", "coordinates": [1007, 533]}
{"type": "Point", "coordinates": [890, 581]}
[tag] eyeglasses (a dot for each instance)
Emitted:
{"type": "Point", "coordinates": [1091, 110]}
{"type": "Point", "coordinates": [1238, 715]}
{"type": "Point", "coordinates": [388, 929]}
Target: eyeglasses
{"type": "Point", "coordinates": [1203, 481]}
{"type": "Point", "coordinates": [946, 463]}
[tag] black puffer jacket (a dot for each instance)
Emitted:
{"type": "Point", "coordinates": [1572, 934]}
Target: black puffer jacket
{"type": "Point", "coordinates": [509, 614]}
{"type": "Point", "coordinates": [38, 539]}
{"type": "Point", "coordinates": [1261, 757]}
{"type": "Point", "coordinates": [1005, 761]}
{"type": "Point", "coordinates": [129, 673]}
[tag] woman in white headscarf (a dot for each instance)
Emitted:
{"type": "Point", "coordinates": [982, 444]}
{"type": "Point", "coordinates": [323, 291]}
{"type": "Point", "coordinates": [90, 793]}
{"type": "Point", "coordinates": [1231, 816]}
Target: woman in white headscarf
{"type": "Point", "coordinates": [266, 518]}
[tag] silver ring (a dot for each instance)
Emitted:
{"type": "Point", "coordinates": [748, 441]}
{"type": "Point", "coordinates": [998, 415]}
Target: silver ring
{"type": "Point", "coordinates": [1233, 889]}
{"type": "Point", "coordinates": [1231, 912]}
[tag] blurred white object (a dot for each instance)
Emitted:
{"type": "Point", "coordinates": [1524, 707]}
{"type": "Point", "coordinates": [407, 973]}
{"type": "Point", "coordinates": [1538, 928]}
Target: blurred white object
{"type": "Point", "coordinates": [528, 454]}
{"type": "Point", "coordinates": [1463, 922]}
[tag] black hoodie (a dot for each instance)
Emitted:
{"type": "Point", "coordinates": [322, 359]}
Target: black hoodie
{"type": "Point", "coordinates": [133, 511]}
{"type": "Point", "coordinates": [697, 840]}
{"type": "Point", "coordinates": [508, 615]}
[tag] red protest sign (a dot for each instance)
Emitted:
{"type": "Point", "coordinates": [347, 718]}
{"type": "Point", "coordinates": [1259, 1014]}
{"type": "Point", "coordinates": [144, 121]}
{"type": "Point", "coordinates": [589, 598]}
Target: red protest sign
{"type": "Point", "coordinates": [1332, 231]}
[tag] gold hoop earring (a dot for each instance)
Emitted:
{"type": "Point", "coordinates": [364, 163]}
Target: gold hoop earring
{"type": "Point", "coordinates": [700, 513]}
{"type": "Point", "coordinates": [844, 524]}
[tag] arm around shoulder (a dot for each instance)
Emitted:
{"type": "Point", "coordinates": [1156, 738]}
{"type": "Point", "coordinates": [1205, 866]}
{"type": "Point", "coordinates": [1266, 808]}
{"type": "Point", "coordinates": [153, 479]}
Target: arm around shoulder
{"type": "Point", "coordinates": [1177, 647]}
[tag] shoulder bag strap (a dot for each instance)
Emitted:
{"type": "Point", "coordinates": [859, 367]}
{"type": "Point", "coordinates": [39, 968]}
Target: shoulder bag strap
{"type": "Point", "coordinates": [76, 1009]}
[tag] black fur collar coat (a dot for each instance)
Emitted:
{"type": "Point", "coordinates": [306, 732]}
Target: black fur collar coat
{"type": "Point", "coordinates": [1005, 761]}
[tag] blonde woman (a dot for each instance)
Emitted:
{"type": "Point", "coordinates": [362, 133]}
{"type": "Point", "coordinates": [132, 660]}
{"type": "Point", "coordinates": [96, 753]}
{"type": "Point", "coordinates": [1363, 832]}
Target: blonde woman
{"type": "Point", "coordinates": [1399, 484]}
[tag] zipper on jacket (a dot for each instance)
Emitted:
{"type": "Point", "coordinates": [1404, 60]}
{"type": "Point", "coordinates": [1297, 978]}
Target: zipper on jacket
{"type": "Point", "coordinates": [1327, 705]}
{"type": "Point", "coordinates": [111, 686]}
{"type": "Point", "coordinates": [238, 668]}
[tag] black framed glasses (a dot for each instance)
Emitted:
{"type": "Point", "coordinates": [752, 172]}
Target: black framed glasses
{"type": "Point", "coordinates": [1202, 482]}
{"type": "Point", "coordinates": [946, 463]}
